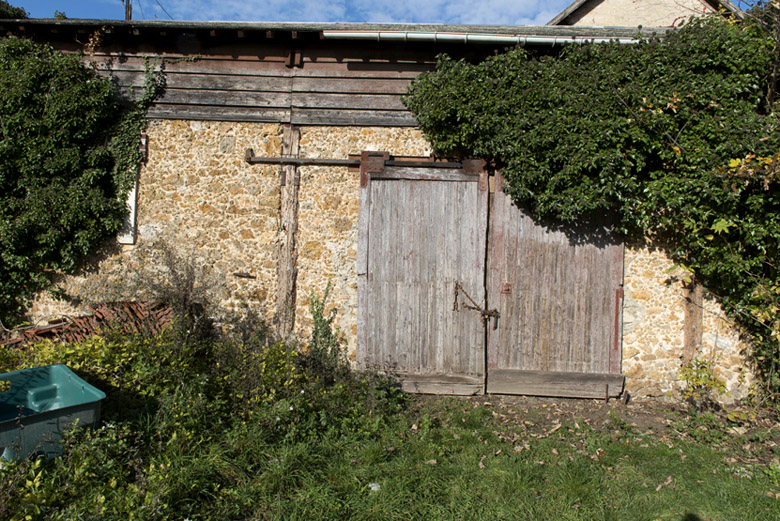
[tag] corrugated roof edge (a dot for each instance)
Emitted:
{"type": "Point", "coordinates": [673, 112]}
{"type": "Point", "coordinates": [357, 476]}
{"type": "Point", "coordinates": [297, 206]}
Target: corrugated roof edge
{"type": "Point", "coordinates": [514, 30]}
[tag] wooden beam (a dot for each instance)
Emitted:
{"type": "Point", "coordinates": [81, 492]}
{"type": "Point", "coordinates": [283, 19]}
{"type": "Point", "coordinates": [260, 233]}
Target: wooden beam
{"type": "Point", "coordinates": [442, 384]}
{"type": "Point", "coordinates": [693, 324]}
{"type": "Point", "coordinates": [558, 384]}
{"type": "Point", "coordinates": [287, 267]}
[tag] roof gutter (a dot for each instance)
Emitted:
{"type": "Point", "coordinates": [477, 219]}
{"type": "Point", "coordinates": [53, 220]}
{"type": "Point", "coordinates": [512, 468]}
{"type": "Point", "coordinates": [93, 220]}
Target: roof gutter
{"type": "Point", "coordinates": [476, 38]}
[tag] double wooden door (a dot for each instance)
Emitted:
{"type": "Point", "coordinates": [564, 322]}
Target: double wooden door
{"type": "Point", "coordinates": [461, 292]}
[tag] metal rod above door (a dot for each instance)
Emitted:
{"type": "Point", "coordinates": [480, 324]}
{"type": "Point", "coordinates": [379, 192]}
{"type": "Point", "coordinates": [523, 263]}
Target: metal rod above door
{"type": "Point", "coordinates": [252, 159]}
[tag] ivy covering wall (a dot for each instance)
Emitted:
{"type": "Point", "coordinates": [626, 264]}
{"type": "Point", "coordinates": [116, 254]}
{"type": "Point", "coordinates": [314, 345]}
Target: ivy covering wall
{"type": "Point", "coordinates": [68, 156]}
{"type": "Point", "coordinates": [678, 137]}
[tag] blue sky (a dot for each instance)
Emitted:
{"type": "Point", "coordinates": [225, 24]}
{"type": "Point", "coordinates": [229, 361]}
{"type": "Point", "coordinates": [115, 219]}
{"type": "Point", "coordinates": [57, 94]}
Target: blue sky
{"type": "Point", "coordinates": [472, 12]}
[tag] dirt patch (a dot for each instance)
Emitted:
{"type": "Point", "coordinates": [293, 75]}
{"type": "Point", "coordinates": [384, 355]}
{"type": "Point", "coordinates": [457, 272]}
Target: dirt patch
{"type": "Point", "coordinates": [645, 415]}
{"type": "Point", "coordinates": [750, 434]}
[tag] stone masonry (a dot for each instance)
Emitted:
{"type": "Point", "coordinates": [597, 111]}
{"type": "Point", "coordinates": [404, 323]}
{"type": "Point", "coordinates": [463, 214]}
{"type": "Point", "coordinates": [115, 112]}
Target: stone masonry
{"type": "Point", "coordinates": [199, 196]}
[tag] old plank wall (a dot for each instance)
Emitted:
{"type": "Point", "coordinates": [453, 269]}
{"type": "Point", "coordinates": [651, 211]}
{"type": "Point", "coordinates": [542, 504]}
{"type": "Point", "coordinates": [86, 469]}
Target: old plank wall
{"type": "Point", "coordinates": [297, 73]}
{"type": "Point", "coordinates": [245, 88]}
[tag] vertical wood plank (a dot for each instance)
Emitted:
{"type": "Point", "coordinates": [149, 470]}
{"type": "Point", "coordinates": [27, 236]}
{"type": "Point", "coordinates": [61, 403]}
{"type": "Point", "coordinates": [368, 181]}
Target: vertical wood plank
{"type": "Point", "coordinates": [692, 325]}
{"type": "Point", "coordinates": [364, 212]}
{"type": "Point", "coordinates": [287, 267]}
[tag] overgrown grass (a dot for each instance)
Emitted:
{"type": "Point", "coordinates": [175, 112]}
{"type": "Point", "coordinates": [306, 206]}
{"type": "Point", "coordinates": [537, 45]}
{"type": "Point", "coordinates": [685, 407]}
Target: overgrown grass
{"type": "Point", "coordinates": [257, 429]}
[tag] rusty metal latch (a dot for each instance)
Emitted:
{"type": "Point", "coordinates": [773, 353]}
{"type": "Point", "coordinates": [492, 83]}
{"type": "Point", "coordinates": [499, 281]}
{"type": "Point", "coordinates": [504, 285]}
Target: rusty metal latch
{"type": "Point", "coordinates": [486, 314]}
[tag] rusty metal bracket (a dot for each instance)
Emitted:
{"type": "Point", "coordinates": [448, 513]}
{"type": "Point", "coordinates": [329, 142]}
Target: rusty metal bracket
{"type": "Point", "coordinates": [371, 163]}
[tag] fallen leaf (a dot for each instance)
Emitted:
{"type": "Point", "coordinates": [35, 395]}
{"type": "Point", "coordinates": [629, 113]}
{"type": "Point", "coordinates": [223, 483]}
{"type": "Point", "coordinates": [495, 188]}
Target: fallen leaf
{"type": "Point", "coordinates": [482, 465]}
{"type": "Point", "coordinates": [664, 484]}
{"type": "Point", "coordinates": [431, 462]}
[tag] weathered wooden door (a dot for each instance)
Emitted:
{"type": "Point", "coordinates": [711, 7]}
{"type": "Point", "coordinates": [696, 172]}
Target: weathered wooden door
{"type": "Point", "coordinates": [449, 289]}
{"type": "Point", "coordinates": [422, 231]}
{"type": "Point", "coordinates": [559, 295]}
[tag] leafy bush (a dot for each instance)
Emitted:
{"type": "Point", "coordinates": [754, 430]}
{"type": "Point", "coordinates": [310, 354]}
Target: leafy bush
{"type": "Point", "coordinates": [702, 385]}
{"type": "Point", "coordinates": [678, 137]}
{"type": "Point", "coordinates": [324, 358]}
{"type": "Point", "coordinates": [197, 426]}
{"type": "Point", "coordinates": [68, 156]}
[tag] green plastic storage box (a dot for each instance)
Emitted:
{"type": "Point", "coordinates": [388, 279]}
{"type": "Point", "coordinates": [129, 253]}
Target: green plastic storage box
{"type": "Point", "coordinates": [39, 406]}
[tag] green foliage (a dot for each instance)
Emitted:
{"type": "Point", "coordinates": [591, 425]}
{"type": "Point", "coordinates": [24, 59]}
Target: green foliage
{"type": "Point", "coordinates": [196, 425]}
{"type": "Point", "coordinates": [9, 11]}
{"type": "Point", "coordinates": [678, 138]}
{"type": "Point", "coordinates": [68, 156]}
{"type": "Point", "coordinates": [325, 356]}
{"type": "Point", "coordinates": [702, 385]}
{"type": "Point", "coordinates": [353, 449]}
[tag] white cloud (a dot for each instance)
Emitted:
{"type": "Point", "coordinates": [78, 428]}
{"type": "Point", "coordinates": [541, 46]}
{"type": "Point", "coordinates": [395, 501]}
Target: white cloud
{"type": "Point", "coordinates": [462, 12]}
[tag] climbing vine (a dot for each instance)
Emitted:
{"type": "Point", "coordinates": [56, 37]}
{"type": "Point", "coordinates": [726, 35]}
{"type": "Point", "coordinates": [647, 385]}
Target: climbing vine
{"type": "Point", "coordinates": [676, 137]}
{"type": "Point", "coordinates": [68, 156]}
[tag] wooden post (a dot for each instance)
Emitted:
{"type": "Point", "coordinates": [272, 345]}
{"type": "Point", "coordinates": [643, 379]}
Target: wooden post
{"type": "Point", "coordinates": [693, 320]}
{"type": "Point", "coordinates": [287, 268]}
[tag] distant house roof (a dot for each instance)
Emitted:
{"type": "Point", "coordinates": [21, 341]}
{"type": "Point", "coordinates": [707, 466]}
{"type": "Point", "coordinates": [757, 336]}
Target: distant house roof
{"type": "Point", "coordinates": [580, 8]}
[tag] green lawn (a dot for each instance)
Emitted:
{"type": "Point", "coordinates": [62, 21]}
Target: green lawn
{"type": "Point", "coordinates": [259, 431]}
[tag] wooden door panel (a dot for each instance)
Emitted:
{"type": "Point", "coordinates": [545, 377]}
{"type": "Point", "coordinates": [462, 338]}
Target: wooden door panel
{"type": "Point", "coordinates": [421, 231]}
{"type": "Point", "coordinates": [558, 291]}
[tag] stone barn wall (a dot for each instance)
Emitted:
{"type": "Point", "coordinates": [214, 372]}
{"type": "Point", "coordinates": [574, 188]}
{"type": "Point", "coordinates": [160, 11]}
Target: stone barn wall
{"type": "Point", "coordinates": [654, 324]}
{"type": "Point", "coordinates": [198, 195]}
